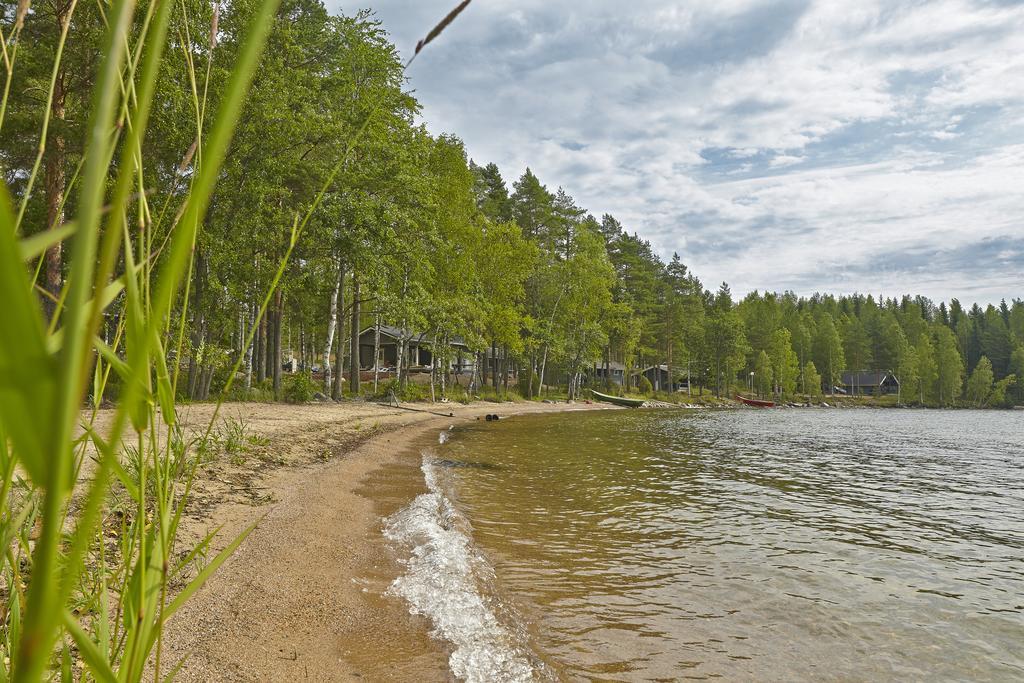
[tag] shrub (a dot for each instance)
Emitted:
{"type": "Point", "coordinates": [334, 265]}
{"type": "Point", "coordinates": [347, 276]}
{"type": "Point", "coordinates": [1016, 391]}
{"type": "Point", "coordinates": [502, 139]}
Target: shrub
{"type": "Point", "coordinates": [298, 388]}
{"type": "Point", "coordinates": [413, 392]}
{"type": "Point", "coordinates": [529, 384]}
{"type": "Point", "coordinates": [459, 394]}
{"type": "Point", "coordinates": [262, 392]}
{"type": "Point", "coordinates": [646, 388]}
{"type": "Point", "coordinates": [385, 388]}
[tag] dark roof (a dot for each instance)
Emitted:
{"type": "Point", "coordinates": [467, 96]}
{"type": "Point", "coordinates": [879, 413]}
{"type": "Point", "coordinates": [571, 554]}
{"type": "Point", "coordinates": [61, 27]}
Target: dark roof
{"type": "Point", "coordinates": [871, 378]}
{"type": "Point", "coordinates": [391, 331]}
{"type": "Point", "coordinates": [397, 333]}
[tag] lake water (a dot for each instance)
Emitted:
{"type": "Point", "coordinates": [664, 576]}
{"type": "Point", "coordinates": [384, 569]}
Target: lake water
{"type": "Point", "coordinates": [853, 545]}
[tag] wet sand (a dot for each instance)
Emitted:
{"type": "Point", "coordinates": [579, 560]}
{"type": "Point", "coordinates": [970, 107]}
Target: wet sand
{"type": "Point", "coordinates": [303, 597]}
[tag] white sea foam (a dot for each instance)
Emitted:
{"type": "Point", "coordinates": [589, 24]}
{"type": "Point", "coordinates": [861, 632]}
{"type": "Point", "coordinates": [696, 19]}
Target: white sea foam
{"type": "Point", "coordinates": [446, 580]}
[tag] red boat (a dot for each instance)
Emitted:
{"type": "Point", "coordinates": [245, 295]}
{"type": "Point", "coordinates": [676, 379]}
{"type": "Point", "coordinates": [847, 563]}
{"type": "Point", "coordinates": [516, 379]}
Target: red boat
{"type": "Point", "coordinates": [755, 402]}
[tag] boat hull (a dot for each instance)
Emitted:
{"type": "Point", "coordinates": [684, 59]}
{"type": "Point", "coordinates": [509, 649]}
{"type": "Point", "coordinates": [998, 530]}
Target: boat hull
{"type": "Point", "coordinates": [754, 402]}
{"type": "Point", "coordinates": [617, 400]}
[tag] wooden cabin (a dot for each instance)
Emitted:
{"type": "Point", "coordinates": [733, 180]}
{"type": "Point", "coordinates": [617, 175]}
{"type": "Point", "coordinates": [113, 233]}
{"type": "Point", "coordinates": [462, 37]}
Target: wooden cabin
{"type": "Point", "coordinates": [870, 383]}
{"type": "Point", "coordinates": [419, 354]}
{"type": "Point", "coordinates": [658, 376]}
{"type": "Point", "coordinates": [615, 373]}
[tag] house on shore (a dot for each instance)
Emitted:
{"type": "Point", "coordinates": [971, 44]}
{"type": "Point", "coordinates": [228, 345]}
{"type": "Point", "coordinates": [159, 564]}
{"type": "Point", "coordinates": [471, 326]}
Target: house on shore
{"type": "Point", "coordinates": [870, 383]}
{"type": "Point", "coordinates": [614, 373]}
{"type": "Point", "coordinates": [658, 376]}
{"type": "Point", "coordinates": [418, 348]}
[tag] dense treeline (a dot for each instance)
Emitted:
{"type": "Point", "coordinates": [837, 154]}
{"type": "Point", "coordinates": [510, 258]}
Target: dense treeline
{"type": "Point", "coordinates": [412, 234]}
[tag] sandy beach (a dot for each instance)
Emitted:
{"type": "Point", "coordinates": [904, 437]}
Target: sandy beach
{"type": "Point", "coordinates": [303, 597]}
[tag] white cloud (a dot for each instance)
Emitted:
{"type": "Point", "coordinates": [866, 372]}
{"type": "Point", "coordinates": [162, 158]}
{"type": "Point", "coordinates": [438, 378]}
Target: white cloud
{"type": "Point", "coordinates": [783, 160]}
{"type": "Point", "coordinates": [882, 131]}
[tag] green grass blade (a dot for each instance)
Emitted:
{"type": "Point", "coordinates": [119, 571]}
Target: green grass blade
{"type": "Point", "coordinates": [197, 550]}
{"type": "Point", "coordinates": [57, 417]}
{"type": "Point", "coordinates": [91, 654]}
{"type": "Point", "coordinates": [39, 243]}
{"type": "Point", "coordinates": [207, 571]}
{"type": "Point", "coordinates": [27, 373]}
{"type": "Point", "coordinates": [165, 391]}
{"type": "Point", "coordinates": [115, 464]}
{"type": "Point", "coordinates": [173, 673]}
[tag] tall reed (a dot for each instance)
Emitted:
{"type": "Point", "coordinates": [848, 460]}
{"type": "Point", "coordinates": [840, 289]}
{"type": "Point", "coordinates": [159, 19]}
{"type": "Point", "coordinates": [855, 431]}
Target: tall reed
{"type": "Point", "coordinates": [90, 509]}
{"type": "Point", "coordinates": [70, 594]}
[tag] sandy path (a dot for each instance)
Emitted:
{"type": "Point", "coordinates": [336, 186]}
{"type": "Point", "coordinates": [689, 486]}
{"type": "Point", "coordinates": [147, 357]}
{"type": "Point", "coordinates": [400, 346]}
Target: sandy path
{"type": "Point", "coordinates": [302, 599]}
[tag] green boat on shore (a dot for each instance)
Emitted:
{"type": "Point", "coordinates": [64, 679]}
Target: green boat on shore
{"type": "Point", "coordinates": [618, 400]}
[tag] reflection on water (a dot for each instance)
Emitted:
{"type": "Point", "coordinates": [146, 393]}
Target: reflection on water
{"type": "Point", "coordinates": [774, 545]}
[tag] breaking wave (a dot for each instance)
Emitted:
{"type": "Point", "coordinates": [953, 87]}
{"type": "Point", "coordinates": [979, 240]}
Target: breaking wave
{"type": "Point", "coordinates": [448, 581]}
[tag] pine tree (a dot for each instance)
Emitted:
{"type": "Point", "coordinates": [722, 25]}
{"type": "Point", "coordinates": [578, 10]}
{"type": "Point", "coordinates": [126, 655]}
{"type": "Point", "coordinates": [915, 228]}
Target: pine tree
{"type": "Point", "coordinates": [950, 366]}
{"type": "Point", "coordinates": [996, 343]}
{"type": "Point", "coordinates": [927, 369]}
{"type": "Point", "coordinates": [785, 366]}
{"type": "Point", "coordinates": [1017, 369]}
{"type": "Point", "coordinates": [856, 345]}
{"type": "Point", "coordinates": [828, 352]}
{"type": "Point", "coordinates": [812, 380]}
{"type": "Point", "coordinates": [724, 338]}
{"type": "Point", "coordinates": [491, 195]}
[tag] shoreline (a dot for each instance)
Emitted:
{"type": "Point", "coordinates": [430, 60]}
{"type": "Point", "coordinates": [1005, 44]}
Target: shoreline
{"type": "Point", "coordinates": [303, 596]}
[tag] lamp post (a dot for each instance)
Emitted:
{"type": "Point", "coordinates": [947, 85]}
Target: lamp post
{"type": "Point", "coordinates": [751, 381]}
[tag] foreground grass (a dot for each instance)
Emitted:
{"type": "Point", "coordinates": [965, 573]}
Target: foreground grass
{"type": "Point", "coordinates": [92, 565]}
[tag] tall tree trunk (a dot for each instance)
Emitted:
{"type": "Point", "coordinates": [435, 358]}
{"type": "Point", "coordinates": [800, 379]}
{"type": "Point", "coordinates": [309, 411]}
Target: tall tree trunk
{"type": "Point", "coordinates": [433, 367]}
{"type": "Point", "coordinates": [446, 365]}
{"type": "Point", "coordinates": [198, 327]}
{"type": "Point", "coordinates": [268, 348]}
{"type": "Point", "coordinates": [668, 366]}
{"type": "Point", "coordinates": [332, 324]}
{"type": "Point", "coordinates": [261, 348]}
{"type": "Point", "coordinates": [55, 184]}
{"type": "Point", "coordinates": [543, 368]}
{"type": "Point", "coordinates": [337, 391]}
{"type": "Point", "coordinates": [276, 358]}
{"type": "Point", "coordinates": [400, 364]}
{"type": "Point", "coordinates": [240, 332]}
{"type": "Point", "coordinates": [376, 352]}
{"type": "Point", "coordinates": [354, 375]}
{"type": "Point", "coordinates": [249, 349]}
{"type": "Point", "coordinates": [504, 370]}
{"type": "Point", "coordinates": [484, 363]}
{"type": "Point", "coordinates": [494, 366]}
{"type": "Point", "coordinates": [207, 380]}
{"type": "Point", "coordinates": [273, 327]}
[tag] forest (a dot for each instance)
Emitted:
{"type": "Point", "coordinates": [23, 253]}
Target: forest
{"type": "Point", "coordinates": [410, 233]}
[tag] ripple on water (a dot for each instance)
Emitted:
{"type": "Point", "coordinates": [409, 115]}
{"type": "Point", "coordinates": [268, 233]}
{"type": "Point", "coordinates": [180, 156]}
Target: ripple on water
{"type": "Point", "coordinates": [802, 545]}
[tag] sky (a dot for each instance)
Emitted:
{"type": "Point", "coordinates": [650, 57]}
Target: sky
{"type": "Point", "coordinates": [804, 145]}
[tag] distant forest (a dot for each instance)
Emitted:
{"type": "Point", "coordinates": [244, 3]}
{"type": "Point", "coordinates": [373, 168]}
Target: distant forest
{"type": "Point", "coordinates": [412, 234]}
